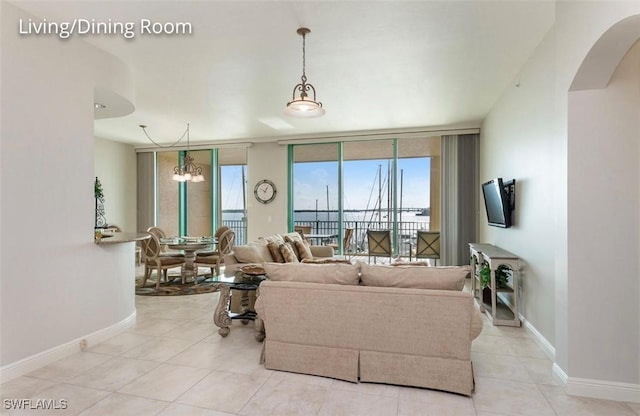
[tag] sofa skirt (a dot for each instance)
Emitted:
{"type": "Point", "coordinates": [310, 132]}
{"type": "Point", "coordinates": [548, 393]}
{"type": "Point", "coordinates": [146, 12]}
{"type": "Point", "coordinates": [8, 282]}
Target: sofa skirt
{"type": "Point", "coordinates": [320, 361]}
{"type": "Point", "coordinates": [446, 374]}
{"type": "Point", "coordinates": [371, 366]}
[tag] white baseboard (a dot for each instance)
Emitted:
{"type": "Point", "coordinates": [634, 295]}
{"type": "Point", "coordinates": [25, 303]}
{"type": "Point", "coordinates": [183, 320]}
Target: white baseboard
{"type": "Point", "coordinates": [598, 389]}
{"type": "Point", "coordinates": [41, 359]}
{"type": "Point", "coordinates": [559, 374]}
{"type": "Point", "coordinates": [608, 390]}
{"type": "Point", "coordinates": [547, 348]}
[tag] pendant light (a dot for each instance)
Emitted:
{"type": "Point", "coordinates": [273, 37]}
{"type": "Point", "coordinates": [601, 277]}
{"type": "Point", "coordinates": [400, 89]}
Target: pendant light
{"type": "Point", "coordinates": [303, 106]}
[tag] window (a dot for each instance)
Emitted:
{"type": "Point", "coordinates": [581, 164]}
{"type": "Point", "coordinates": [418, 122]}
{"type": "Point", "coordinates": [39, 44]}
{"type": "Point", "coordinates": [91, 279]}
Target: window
{"type": "Point", "coordinates": [199, 208]}
{"type": "Point", "coordinates": [378, 184]}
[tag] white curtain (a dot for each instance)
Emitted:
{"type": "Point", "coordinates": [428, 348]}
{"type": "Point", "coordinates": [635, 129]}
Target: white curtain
{"type": "Point", "coordinates": [459, 197]}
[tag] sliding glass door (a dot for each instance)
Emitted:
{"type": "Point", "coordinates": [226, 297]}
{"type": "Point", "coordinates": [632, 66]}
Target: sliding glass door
{"type": "Point", "coordinates": [232, 164]}
{"type": "Point", "coordinates": [362, 185]}
{"type": "Point", "coordinates": [315, 196]}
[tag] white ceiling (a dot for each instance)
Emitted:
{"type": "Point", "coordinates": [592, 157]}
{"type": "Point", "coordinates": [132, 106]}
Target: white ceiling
{"type": "Point", "coordinates": [375, 64]}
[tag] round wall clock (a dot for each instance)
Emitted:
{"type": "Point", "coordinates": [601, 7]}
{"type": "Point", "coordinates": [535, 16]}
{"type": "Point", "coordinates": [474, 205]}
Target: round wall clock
{"type": "Point", "coordinates": [265, 191]}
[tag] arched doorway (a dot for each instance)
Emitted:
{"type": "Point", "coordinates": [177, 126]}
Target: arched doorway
{"type": "Point", "coordinates": [603, 282]}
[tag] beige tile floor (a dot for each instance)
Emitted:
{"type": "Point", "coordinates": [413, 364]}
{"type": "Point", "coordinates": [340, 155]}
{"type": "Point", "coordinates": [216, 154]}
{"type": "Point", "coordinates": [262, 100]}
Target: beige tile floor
{"type": "Point", "coordinates": [173, 362]}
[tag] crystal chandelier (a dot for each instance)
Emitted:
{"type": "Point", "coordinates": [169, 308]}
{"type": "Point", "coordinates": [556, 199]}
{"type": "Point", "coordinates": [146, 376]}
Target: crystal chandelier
{"type": "Point", "coordinates": [303, 106]}
{"type": "Point", "coordinates": [188, 170]}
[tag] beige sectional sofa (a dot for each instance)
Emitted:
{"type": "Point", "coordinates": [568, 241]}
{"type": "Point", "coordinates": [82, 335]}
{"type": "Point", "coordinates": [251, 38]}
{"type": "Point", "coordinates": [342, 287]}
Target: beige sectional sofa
{"type": "Point", "coordinates": [257, 252]}
{"type": "Point", "coordinates": [355, 323]}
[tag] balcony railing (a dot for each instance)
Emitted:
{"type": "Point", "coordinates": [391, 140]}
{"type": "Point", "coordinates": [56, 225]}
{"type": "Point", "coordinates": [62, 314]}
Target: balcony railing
{"type": "Point", "coordinates": [407, 231]}
{"type": "Point", "coordinates": [240, 228]}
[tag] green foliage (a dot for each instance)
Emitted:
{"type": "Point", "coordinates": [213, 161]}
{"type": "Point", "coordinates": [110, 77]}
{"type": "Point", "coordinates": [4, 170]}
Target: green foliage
{"type": "Point", "coordinates": [502, 276]}
{"type": "Point", "coordinates": [97, 189]}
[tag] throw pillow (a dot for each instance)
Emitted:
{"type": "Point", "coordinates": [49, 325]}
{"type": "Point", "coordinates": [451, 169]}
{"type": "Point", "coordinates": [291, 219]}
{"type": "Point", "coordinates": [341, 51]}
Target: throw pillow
{"type": "Point", "coordinates": [294, 236]}
{"type": "Point", "coordinates": [292, 241]}
{"type": "Point", "coordinates": [337, 273]}
{"type": "Point", "coordinates": [304, 252]}
{"type": "Point", "coordinates": [288, 254]}
{"type": "Point", "coordinates": [326, 261]}
{"type": "Point", "coordinates": [274, 249]}
{"type": "Point", "coordinates": [276, 238]}
{"type": "Point", "coordinates": [441, 278]}
{"type": "Point", "coordinates": [248, 254]}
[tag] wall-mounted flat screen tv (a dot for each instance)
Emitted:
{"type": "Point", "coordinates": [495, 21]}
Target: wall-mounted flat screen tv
{"type": "Point", "coordinates": [499, 200]}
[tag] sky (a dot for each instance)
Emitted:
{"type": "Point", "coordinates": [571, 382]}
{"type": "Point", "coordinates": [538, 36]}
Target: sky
{"type": "Point", "coordinates": [231, 181]}
{"type": "Point", "coordinates": [360, 184]}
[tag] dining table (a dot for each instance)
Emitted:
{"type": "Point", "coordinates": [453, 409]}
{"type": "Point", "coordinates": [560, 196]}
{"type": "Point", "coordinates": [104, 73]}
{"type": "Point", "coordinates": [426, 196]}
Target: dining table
{"type": "Point", "coordinates": [319, 239]}
{"type": "Point", "coordinates": [189, 246]}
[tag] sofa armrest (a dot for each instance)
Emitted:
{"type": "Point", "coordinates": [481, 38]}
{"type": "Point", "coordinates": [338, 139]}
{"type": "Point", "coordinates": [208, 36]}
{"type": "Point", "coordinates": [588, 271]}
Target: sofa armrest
{"type": "Point", "coordinates": [476, 322]}
{"type": "Point", "coordinates": [259, 307]}
{"type": "Point", "coordinates": [321, 251]}
{"type": "Point", "coordinates": [230, 259]}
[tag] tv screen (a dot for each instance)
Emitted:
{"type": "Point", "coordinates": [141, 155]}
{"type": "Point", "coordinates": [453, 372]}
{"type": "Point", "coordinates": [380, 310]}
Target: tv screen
{"type": "Point", "coordinates": [497, 201]}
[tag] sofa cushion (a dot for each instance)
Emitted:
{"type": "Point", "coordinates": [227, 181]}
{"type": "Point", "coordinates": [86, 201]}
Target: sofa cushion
{"type": "Point", "coordinates": [274, 249]}
{"type": "Point", "coordinates": [410, 263]}
{"type": "Point", "coordinates": [337, 273]}
{"type": "Point", "coordinates": [288, 253]}
{"type": "Point", "coordinates": [261, 247]}
{"type": "Point", "coordinates": [443, 278]}
{"type": "Point", "coordinates": [249, 254]}
{"type": "Point", "coordinates": [321, 251]}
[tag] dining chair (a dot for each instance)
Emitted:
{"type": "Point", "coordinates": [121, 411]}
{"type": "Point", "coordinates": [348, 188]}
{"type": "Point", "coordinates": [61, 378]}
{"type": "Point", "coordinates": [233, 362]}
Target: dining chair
{"type": "Point", "coordinates": [213, 261]}
{"type": "Point", "coordinates": [215, 250]}
{"type": "Point", "coordinates": [346, 242]}
{"type": "Point", "coordinates": [304, 231]}
{"type": "Point", "coordinates": [153, 260]}
{"type": "Point", "coordinates": [164, 250]}
{"type": "Point", "coordinates": [428, 246]}
{"type": "Point", "coordinates": [379, 243]}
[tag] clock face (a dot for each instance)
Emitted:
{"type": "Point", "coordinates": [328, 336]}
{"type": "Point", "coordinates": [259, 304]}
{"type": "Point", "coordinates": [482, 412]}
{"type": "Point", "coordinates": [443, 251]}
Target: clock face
{"type": "Point", "coordinates": [265, 191]}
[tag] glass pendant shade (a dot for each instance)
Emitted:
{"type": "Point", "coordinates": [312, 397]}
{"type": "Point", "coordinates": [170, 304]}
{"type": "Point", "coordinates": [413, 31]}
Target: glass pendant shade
{"type": "Point", "coordinates": [304, 108]}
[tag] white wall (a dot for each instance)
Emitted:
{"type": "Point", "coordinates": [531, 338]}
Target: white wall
{"type": "Point", "coordinates": [592, 347]}
{"type": "Point", "coordinates": [613, 365]}
{"type": "Point", "coordinates": [266, 161]}
{"type": "Point", "coordinates": [604, 131]}
{"type": "Point", "coordinates": [115, 167]}
{"type": "Point", "coordinates": [56, 285]}
{"type": "Point", "coordinates": [517, 141]}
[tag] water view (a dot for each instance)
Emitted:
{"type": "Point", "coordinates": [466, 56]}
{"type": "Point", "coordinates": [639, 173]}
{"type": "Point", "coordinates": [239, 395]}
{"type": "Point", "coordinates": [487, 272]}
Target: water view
{"type": "Point", "coordinates": [326, 223]}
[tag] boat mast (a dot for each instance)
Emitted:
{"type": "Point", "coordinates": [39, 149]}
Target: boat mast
{"type": "Point", "coordinates": [328, 215]}
{"type": "Point", "coordinates": [244, 194]}
{"type": "Point", "coordinates": [401, 186]}
{"type": "Point", "coordinates": [379, 195]}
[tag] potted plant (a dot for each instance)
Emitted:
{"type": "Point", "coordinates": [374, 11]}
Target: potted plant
{"type": "Point", "coordinates": [502, 280]}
